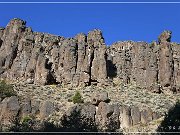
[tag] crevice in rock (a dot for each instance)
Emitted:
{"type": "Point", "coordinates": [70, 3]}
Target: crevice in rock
{"type": "Point", "coordinates": [14, 54]}
{"type": "Point", "coordinates": [51, 79]}
{"type": "Point", "coordinates": [76, 51]}
{"type": "Point", "coordinates": [111, 69]}
{"type": "Point", "coordinates": [173, 76]}
{"type": "Point", "coordinates": [91, 61]}
{"type": "Point", "coordinates": [3, 61]}
{"type": "Point", "coordinates": [93, 82]}
{"type": "Point", "coordinates": [76, 122]}
{"type": "Point", "coordinates": [157, 77]}
{"type": "Point", "coordinates": [1, 43]}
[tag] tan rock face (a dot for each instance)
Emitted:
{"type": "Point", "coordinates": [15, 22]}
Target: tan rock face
{"type": "Point", "coordinates": [9, 109]}
{"type": "Point", "coordinates": [46, 59]}
{"type": "Point", "coordinates": [152, 66]}
{"type": "Point", "coordinates": [46, 108]}
{"type": "Point", "coordinates": [41, 58]}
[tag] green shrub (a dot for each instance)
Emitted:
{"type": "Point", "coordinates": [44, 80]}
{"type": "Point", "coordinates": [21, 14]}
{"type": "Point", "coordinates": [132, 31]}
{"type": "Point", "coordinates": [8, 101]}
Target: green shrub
{"type": "Point", "coordinates": [25, 125]}
{"type": "Point", "coordinates": [77, 98]}
{"type": "Point", "coordinates": [26, 119]}
{"type": "Point", "coordinates": [6, 90]}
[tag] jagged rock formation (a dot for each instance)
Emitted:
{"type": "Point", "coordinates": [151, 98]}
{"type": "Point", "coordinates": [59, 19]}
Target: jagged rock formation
{"type": "Point", "coordinates": [45, 59]}
{"type": "Point", "coordinates": [131, 71]}
{"type": "Point", "coordinates": [9, 109]}
{"type": "Point", "coordinates": [41, 58]}
{"type": "Point", "coordinates": [80, 117]}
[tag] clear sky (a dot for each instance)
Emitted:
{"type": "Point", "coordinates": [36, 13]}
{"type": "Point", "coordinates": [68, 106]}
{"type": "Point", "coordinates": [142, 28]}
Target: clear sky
{"type": "Point", "coordinates": [138, 22]}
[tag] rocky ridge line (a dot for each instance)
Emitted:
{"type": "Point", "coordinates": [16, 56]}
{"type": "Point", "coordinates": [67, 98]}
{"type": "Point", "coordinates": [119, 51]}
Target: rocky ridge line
{"type": "Point", "coordinates": [42, 58]}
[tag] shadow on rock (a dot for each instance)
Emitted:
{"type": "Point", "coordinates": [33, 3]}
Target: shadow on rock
{"type": "Point", "coordinates": [171, 122]}
{"type": "Point", "coordinates": [77, 119]}
{"type": "Point", "coordinates": [111, 69]}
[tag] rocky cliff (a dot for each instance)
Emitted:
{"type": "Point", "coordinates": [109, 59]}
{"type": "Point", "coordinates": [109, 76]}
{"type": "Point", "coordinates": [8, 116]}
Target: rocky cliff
{"type": "Point", "coordinates": [141, 80]}
{"type": "Point", "coordinates": [42, 58]}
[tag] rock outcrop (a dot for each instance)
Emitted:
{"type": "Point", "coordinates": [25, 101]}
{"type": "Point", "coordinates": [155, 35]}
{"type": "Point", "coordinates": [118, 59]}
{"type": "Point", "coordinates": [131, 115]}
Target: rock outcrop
{"type": "Point", "coordinates": [149, 66]}
{"type": "Point", "coordinates": [106, 117]}
{"type": "Point", "coordinates": [15, 112]}
{"type": "Point", "coordinates": [41, 58]}
{"type": "Point", "coordinates": [9, 110]}
{"type": "Point", "coordinates": [18, 114]}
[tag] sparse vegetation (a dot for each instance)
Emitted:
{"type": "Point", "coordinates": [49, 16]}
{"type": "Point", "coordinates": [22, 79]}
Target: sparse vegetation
{"type": "Point", "coordinates": [26, 119]}
{"type": "Point", "coordinates": [22, 125]}
{"type": "Point", "coordinates": [25, 125]}
{"type": "Point", "coordinates": [6, 90]}
{"type": "Point", "coordinates": [77, 98]}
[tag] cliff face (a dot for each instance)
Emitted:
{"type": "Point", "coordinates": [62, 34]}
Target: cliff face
{"type": "Point", "coordinates": [42, 58]}
{"type": "Point", "coordinates": [45, 59]}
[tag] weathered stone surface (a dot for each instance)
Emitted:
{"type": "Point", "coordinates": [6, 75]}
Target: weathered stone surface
{"type": "Point", "coordinates": [136, 115]}
{"type": "Point", "coordinates": [9, 109]}
{"type": "Point", "coordinates": [41, 58]}
{"type": "Point", "coordinates": [35, 106]}
{"type": "Point", "coordinates": [45, 59]}
{"type": "Point", "coordinates": [26, 107]}
{"type": "Point", "coordinates": [148, 66]}
{"type": "Point", "coordinates": [165, 61]}
{"type": "Point", "coordinates": [165, 37]}
{"type": "Point", "coordinates": [98, 97]}
{"type": "Point", "coordinates": [146, 115]}
{"type": "Point", "coordinates": [46, 108]}
{"type": "Point", "coordinates": [107, 117]}
{"type": "Point", "coordinates": [1, 32]}
{"type": "Point", "coordinates": [11, 36]}
{"type": "Point", "coordinates": [132, 115]}
{"type": "Point", "coordinates": [125, 117]}
{"type": "Point", "coordinates": [79, 118]}
{"type": "Point", "coordinates": [176, 61]}
{"type": "Point", "coordinates": [98, 67]}
{"type": "Point", "coordinates": [83, 70]}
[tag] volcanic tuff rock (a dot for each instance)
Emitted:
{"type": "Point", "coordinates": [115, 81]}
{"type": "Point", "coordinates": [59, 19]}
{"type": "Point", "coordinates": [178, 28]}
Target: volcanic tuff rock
{"type": "Point", "coordinates": [42, 58]}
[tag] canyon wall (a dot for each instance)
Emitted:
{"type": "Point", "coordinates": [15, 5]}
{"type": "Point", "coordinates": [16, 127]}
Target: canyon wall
{"type": "Point", "coordinates": [42, 58]}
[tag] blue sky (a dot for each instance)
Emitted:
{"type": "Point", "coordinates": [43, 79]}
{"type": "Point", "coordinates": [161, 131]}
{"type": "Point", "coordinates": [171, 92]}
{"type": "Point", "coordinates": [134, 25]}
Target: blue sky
{"type": "Point", "coordinates": [119, 22]}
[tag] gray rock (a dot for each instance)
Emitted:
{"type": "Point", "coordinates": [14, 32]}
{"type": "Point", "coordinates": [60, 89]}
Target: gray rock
{"type": "Point", "coordinates": [35, 106]}
{"type": "Point", "coordinates": [8, 112]}
{"type": "Point", "coordinates": [46, 108]}
{"type": "Point", "coordinates": [80, 117]}
{"type": "Point", "coordinates": [26, 107]}
{"type": "Point", "coordinates": [107, 117]}
{"type": "Point", "coordinates": [125, 117]}
{"type": "Point", "coordinates": [136, 115]}
{"type": "Point", "coordinates": [98, 97]}
{"type": "Point", "coordinates": [146, 115]}
{"type": "Point", "coordinates": [41, 58]}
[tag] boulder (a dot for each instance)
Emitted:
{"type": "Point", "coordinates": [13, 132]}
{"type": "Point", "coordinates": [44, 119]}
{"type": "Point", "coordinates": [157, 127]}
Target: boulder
{"type": "Point", "coordinates": [46, 108]}
{"type": "Point", "coordinates": [125, 117]}
{"type": "Point", "coordinates": [35, 104]}
{"type": "Point", "coordinates": [146, 115]}
{"type": "Point", "coordinates": [8, 112]}
{"type": "Point", "coordinates": [79, 118]}
{"type": "Point", "coordinates": [98, 97]}
{"type": "Point", "coordinates": [26, 107]}
{"type": "Point", "coordinates": [136, 115]}
{"type": "Point", "coordinates": [107, 117]}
